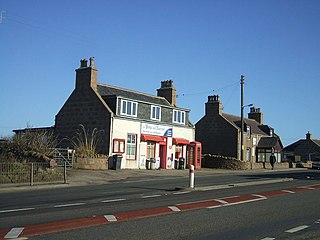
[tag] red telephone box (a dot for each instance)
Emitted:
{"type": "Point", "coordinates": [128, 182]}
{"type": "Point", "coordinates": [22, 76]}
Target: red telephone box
{"type": "Point", "coordinates": [194, 152]}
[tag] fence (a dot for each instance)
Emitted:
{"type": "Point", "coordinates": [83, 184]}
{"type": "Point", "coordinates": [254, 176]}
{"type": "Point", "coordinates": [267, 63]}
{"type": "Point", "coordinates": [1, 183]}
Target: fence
{"type": "Point", "coordinates": [30, 173]}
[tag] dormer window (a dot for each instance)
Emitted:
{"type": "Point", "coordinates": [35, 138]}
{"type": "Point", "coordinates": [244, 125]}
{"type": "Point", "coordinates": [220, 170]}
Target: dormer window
{"type": "Point", "coordinates": [129, 108]}
{"type": "Point", "coordinates": [179, 116]}
{"type": "Point", "coordinates": [155, 113]}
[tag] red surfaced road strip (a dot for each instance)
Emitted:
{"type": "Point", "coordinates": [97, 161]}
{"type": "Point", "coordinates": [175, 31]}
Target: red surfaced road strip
{"type": "Point", "coordinates": [46, 228]}
{"type": "Point", "coordinates": [274, 193]}
{"type": "Point", "coordinates": [238, 199]}
{"type": "Point", "coordinates": [200, 204]}
{"type": "Point", "coordinates": [142, 213]}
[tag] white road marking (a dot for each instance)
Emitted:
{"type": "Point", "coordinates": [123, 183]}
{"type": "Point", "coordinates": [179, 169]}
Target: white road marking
{"type": "Point", "coordinates": [14, 233]}
{"type": "Point", "coordinates": [113, 200]}
{"type": "Point", "coordinates": [110, 218]}
{"type": "Point", "coordinates": [69, 205]}
{"type": "Point", "coordinates": [297, 229]}
{"type": "Point", "coordinates": [308, 187]}
{"type": "Point", "coordinates": [221, 201]}
{"type": "Point", "coordinates": [177, 193]}
{"type": "Point", "coordinates": [16, 210]}
{"type": "Point", "coordinates": [151, 196]}
{"type": "Point", "coordinates": [174, 208]}
{"type": "Point", "coordinates": [259, 196]}
{"type": "Point", "coordinates": [268, 238]}
{"type": "Point", "coordinates": [288, 191]}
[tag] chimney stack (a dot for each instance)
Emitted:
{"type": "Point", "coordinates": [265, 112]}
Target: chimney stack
{"type": "Point", "coordinates": [256, 114]}
{"type": "Point", "coordinates": [308, 135]}
{"type": "Point", "coordinates": [168, 91]}
{"type": "Point", "coordinates": [86, 76]}
{"type": "Point", "coordinates": [214, 106]}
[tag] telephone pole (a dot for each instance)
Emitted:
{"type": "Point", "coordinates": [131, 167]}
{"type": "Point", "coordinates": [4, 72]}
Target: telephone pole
{"type": "Point", "coordinates": [242, 120]}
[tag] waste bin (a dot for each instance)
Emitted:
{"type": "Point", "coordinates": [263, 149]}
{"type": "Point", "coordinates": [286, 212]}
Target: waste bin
{"type": "Point", "coordinates": [147, 164]}
{"type": "Point", "coordinates": [176, 164]}
{"type": "Point", "coordinates": [181, 163]}
{"type": "Point", "coordinates": [116, 161]}
{"type": "Point", "coordinates": [152, 164]}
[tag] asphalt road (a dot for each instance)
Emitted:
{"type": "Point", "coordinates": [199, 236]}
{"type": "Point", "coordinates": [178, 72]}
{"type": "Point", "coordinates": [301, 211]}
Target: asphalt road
{"type": "Point", "coordinates": [250, 220]}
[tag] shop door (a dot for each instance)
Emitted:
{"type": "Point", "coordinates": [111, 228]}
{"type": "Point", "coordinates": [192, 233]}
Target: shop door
{"type": "Point", "coordinates": [163, 156]}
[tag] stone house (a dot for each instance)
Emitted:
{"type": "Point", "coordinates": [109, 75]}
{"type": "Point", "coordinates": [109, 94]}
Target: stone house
{"type": "Point", "coordinates": [304, 150]}
{"type": "Point", "coordinates": [220, 134]}
{"type": "Point", "coordinates": [138, 126]}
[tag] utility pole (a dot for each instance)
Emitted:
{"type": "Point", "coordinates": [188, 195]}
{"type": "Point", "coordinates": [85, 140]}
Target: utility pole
{"type": "Point", "coordinates": [242, 121]}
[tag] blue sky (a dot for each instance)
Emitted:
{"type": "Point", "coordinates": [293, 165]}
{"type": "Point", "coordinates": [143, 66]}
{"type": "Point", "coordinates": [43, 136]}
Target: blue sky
{"type": "Point", "coordinates": [203, 45]}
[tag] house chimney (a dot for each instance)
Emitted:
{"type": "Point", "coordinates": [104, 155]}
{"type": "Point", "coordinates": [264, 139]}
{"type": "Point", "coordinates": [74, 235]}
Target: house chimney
{"type": "Point", "coordinates": [214, 106]}
{"type": "Point", "coordinates": [168, 91]}
{"type": "Point", "coordinates": [308, 135]}
{"type": "Point", "coordinates": [86, 76]}
{"type": "Point", "coordinates": [256, 114]}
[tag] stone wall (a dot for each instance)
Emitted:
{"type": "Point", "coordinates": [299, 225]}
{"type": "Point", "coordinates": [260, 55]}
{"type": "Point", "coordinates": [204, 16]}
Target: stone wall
{"type": "Point", "coordinates": [215, 161]}
{"type": "Point", "coordinates": [91, 163]}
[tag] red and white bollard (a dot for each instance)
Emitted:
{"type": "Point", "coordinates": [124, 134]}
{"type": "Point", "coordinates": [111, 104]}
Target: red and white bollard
{"type": "Point", "coordinates": [191, 176]}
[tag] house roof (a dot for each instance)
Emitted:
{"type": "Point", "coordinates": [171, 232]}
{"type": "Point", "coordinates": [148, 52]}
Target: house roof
{"type": "Point", "coordinates": [108, 90]}
{"type": "Point", "coordinates": [293, 146]}
{"type": "Point", "coordinates": [252, 123]}
{"type": "Point", "coordinates": [267, 142]}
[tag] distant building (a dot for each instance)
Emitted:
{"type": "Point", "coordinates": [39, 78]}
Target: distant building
{"type": "Point", "coordinates": [220, 134]}
{"type": "Point", "coordinates": [137, 125]}
{"type": "Point", "coordinates": [307, 149]}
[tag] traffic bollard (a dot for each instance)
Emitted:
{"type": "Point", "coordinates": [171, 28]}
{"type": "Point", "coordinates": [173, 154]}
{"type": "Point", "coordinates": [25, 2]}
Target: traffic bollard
{"type": "Point", "coordinates": [191, 176]}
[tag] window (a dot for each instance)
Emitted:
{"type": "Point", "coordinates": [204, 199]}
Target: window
{"type": "Point", "coordinates": [156, 113]}
{"type": "Point", "coordinates": [129, 108]}
{"type": "Point", "coordinates": [118, 145]}
{"type": "Point", "coordinates": [248, 131]}
{"type": "Point", "coordinates": [150, 149]}
{"type": "Point", "coordinates": [131, 146]}
{"type": "Point", "coordinates": [178, 116]}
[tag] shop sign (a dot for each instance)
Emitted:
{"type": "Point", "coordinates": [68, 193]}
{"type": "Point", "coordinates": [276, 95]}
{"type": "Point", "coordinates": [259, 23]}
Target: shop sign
{"type": "Point", "coordinates": [158, 130]}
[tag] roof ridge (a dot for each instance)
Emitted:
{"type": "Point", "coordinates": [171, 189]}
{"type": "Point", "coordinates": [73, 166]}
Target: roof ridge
{"type": "Point", "coordinates": [129, 90]}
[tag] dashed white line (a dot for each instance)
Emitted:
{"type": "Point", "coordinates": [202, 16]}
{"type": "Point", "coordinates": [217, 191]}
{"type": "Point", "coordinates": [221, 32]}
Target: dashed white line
{"type": "Point", "coordinates": [174, 208]}
{"type": "Point", "coordinates": [177, 193]}
{"type": "Point", "coordinates": [16, 210]}
{"type": "Point", "coordinates": [69, 205]}
{"type": "Point", "coordinates": [113, 200]}
{"type": "Point", "coordinates": [14, 233]}
{"type": "Point", "coordinates": [151, 196]}
{"type": "Point", "coordinates": [259, 196]}
{"type": "Point", "coordinates": [288, 191]}
{"type": "Point", "coordinates": [307, 187]}
{"type": "Point", "coordinates": [110, 218]}
{"type": "Point", "coordinates": [268, 238]}
{"type": "Point", "coordinates": [297, 229]}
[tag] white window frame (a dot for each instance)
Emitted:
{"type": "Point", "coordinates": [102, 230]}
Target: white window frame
{"type": "Point", "coordinates": [129, 108]}
{"type": "Point", "coordinates": [179, 116]}
{"type": "Point", "coordinates": [154, 113]}
{"type": "Point", "coordinates": [131, 146]}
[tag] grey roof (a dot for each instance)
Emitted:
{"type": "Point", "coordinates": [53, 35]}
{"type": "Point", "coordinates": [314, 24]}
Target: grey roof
{"type": "Point", "coordinates": [267, 142]}
{"type": "Point", "coordinates": [252, 123]}
{"type": "Point", "coordinates": [107, 90]}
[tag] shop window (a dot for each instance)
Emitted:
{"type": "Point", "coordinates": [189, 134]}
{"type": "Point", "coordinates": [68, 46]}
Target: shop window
{"type": "Point", "coordinates": [178, 151]}
{"type": "Point", "coordinates": [118, 145]}
{"type": "Point", "coordinates": [131, 146]}
{"type": "Point", "coordinates": [179, 116]}
{"type": "Point", "coordinates": [156, 113]}
{"type": "Point", "coordinates": [151, 146]}
{"type": "Point", "coordinates": [129, 108]}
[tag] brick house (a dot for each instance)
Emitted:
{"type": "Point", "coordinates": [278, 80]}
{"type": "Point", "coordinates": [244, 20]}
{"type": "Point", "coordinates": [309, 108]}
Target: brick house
{"type": "Point", "coordinates": [136, 125]}
{"type": "Point", "coordinates": [220, 134]}
{"type": "Point", "coordinates": [304, 150]}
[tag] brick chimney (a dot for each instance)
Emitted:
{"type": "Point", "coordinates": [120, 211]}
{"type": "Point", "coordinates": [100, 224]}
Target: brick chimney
{"type": "Point", "coordinates": [308, 135]}
{"type": "Point", "coordinates": [213, 106]}
{"type": "Point", "coordinates": [256, 114]}
{"type": "Point", "coordinates": [86, 76]}
{"type": "Point", "coordinates": [168, 91]}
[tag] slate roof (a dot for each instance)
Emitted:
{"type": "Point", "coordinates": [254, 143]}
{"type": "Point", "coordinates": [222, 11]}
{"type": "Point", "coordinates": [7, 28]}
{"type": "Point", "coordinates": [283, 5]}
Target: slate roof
{"type": "Point", "coordinates": [293, 146]}
{"type": "Point", "coordinates": [267, 142]}
{"type": "Point", "coordinates": [252, 123]}
{"type": "Point", "coordinates": [107, 90]}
